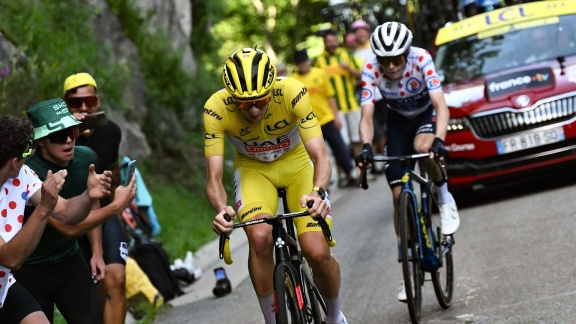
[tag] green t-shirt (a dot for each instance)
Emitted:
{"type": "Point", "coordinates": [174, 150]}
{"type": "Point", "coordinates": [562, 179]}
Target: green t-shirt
{"type": "Point", "coordinates": [54, 246]}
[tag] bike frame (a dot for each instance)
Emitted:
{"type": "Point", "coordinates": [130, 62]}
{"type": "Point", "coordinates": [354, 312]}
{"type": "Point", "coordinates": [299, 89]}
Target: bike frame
{"type": "Point", "coordinates": [423, 209]}
{"type": "Point", "coordinates": [422, 220]}
{"type": "Point", "coordinates": [286, 248]}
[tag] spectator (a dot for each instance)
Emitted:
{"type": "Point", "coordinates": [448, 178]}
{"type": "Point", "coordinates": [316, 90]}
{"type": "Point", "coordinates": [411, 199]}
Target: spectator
{"type": "Point", "coordinates": [344, 70]}
{"type": "Point", "coordinates": [21, 187]}
{"type": "Point", "coordinates": [324, 106]}
{"type": "Point", "coordinates": [362, 32]}
{"type": "Point", "coordinates": [350, 41]}
{"type": "Point", "coordinates": [55, 274]}
{"type": "Point", "coordinates": [81, 96]}
{"type": "Point", "coordinates": [281, 69]}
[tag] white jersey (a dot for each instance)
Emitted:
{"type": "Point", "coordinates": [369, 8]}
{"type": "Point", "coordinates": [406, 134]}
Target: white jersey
{"type": "Point", "coordinates": [14, 197]}
{"type": "Point", "coordinates": [409, 95]}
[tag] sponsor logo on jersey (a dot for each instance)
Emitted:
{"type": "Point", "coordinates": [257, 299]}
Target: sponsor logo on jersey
{"type": "Point", "coordinates": [228, 101]}
{"type": "Point", "coordinates": [209, 136]}
{"type": "Point", "coordinates": [368, 75]}
{"type": "Point", "coordinates": [267, 146]}
{"type": "Point", "coordinates": [433, 83]}
{"type": "Point", "coordinates": [276, 127]}
{"type": "Point", "coordinates": [245, 131]}
{"type": "Point", "coordinates": [366, 94]}
{"type": "Point", "coordinates": [315, 224]}
{"type": "Point", "coordinates": [310, 121]}
{"type": "Point", "coordinates": [277, 95]}
{"type": "Point", "coordinates": [212, 113]}
{"type": "Point", "coordinates": [303, 92]}
{"type": "Point", "coordinates": [413, 85]}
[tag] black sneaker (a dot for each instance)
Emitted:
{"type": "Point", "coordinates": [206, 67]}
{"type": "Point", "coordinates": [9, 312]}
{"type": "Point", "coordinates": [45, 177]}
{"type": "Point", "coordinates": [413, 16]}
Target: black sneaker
{"type": "Point", "coordinates": [223, 286]}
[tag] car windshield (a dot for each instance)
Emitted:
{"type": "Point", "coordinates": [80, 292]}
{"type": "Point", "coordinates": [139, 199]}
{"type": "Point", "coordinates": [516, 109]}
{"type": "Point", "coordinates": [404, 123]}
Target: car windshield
{"type": "Point", "coordinates": [506, 47]}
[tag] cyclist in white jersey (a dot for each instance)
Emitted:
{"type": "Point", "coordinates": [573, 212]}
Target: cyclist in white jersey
{"type": "Point", "coordinates": [418, 115]}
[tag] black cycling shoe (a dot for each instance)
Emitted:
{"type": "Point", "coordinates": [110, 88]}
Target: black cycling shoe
{"type": "Point", "coordinates": [223, 286]}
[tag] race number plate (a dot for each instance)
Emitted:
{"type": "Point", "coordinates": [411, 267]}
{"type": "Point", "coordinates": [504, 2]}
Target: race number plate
{"type": "Point", "coordinates": [529, 140]}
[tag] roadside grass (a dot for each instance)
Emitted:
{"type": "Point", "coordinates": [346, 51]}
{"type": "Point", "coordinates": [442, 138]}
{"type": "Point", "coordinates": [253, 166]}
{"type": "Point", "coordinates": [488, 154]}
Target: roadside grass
{"type": "Point", "coordinates": [185, 217]}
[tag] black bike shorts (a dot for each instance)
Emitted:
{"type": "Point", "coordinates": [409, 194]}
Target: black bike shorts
{"type": "Point", "coordinates": [67, 284]}
{"type": "Point", "coordinates": [18, 304]}
{"type": "Point", "coordinates": [114, 244]}
{"type": "Point", "coordinates": [401, 132]}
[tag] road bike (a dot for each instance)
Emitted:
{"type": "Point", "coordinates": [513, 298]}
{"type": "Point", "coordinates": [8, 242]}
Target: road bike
{"type": "Point", "coordinates": [296, 297]}
{"type": "Point", "coordinates": [422, 247]}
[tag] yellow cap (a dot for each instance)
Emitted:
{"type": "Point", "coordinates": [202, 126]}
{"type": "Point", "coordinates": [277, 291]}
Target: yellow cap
{"type": "Point", "coordinates": [77, 80]}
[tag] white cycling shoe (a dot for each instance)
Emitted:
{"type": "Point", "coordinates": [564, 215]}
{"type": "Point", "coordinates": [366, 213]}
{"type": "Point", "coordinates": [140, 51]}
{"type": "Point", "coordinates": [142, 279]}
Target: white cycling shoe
{"type": "Point", "coordinates": [449, 218]}
{"type": "Point", "coordinates": [402, 293]}
{"type": "Point", "coordinates": [341, 319]}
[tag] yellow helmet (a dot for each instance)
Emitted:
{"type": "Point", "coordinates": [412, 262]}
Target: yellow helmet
{"type": "Point", "coordinates": [249, 74]}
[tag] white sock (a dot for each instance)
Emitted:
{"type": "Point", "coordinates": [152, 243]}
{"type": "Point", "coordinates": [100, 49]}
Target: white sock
{"type": "Point", "coordinates": [332, 309]}
{"type": "Point", "coordinates": [267, 306]}
{"type": "Point", "coordinates": [444, 196]}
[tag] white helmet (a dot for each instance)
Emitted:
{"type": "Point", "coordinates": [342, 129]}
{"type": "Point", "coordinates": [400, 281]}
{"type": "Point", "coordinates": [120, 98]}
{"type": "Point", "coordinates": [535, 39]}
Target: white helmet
{"type": "Point", "coordinates": [391, 39]}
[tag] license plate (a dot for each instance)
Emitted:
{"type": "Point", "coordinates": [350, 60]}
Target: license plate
{"type": "Point", "coordinates": [529, 140]}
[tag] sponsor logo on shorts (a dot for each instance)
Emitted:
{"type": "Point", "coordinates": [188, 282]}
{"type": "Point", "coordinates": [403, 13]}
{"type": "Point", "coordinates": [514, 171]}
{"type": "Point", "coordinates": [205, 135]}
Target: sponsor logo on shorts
{"type": "Point", "coordinates": [124, 250]}
{"type": "Point", "coordinates": [252, 210]}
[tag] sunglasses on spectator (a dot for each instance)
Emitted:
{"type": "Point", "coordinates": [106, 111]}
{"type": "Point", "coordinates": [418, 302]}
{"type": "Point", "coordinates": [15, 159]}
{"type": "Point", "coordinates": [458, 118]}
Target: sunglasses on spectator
{"type": "Point", "coordinates": [396, 60]}
{"type": "Point", "coordinates": [77, 102]}
{"type": "Point", "coordinates": [260, 103]}
{"type": "Point", "coordinates": [31, 148]}
{"type": "Point", "coordinates": [61, 136]}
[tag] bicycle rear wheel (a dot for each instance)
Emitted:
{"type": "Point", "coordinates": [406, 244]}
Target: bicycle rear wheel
{"type": "Point", "coordinates": [314, 306]}
{"type": "Point", "coordinates": [409, 249]}
{"type": "Point", "coordinates": [288, 295]}
{"type": "Point", "coordinates": [443, 278]}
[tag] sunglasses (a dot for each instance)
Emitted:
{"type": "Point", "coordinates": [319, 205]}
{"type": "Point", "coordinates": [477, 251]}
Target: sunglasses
{"type": "Point", "coordinates": [31, 148]}
{"type": "Point", "coordinates": [77, 102]}
{"type": "Point", "coordinates": [260, 103]}
{"type": "Point", "coordinates": [61, 136]}
{"type": "Point", "coordinates": [397, 60]}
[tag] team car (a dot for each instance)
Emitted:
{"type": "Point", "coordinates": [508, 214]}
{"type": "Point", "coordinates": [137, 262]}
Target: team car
{"type": "Point", "coordinates": [509, 78]}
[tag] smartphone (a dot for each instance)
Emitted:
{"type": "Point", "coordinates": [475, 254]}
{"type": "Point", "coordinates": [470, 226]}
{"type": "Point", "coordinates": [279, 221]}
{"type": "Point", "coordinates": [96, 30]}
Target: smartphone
{"type": "Point", "coordinates": [92, 121]}
{"type": "Point", "coordinates": [130, 168]}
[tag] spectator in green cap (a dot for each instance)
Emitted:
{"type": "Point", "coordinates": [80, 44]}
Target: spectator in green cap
{"type": "Point", "coordinates": [21, 187]}
{"type": "Point", "coordinates": [55, 274]}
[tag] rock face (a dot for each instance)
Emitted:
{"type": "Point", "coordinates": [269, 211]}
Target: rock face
{"type": "Point", "coordinates": [175, 17]}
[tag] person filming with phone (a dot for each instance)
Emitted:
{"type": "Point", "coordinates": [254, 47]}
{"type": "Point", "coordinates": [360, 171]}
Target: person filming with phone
{"type": "Point", "coordinates": [83, 100]}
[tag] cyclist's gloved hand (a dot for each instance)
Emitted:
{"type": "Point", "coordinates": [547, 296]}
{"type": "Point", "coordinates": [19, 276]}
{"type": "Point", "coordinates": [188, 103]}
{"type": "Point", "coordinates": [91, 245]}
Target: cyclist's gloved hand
{"type": "Point", "coordinates": [366, 156]}
{"type": "Point", "coordinates": [438, 148]}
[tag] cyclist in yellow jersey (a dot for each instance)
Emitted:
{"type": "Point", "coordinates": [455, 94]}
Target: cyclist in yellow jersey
{"type": "Point", "coordinates": [278, 144]}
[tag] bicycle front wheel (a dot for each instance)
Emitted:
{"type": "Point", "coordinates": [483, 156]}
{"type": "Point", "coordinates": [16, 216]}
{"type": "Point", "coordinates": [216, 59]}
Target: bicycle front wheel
{"type": "Point", "coordinates": [443, 278]}
{"type": "Point", "coordinates": [288, 295]}
{"type": "Point", "coordinates": [313, 302]}
{"type": "Point", "coordinates": [409, 249]}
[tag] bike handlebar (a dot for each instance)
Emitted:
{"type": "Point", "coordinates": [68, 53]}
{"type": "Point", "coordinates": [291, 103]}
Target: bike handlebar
{"type": "Point", "coordinates": [224, 245]}
{"type": "Point", "coordinates": [365, 162]}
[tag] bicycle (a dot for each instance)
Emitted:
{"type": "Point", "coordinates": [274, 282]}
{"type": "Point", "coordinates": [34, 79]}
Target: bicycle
{"type": "Point", "coordinates": [421, 248]}
{"type": "Point", "coordinates": [297, 299]}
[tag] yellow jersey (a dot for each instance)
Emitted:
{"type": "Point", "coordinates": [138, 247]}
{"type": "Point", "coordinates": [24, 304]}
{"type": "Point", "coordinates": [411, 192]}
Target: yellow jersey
{"type": "Point", "coordinates": [320, 90]}
{"type": "Point", "coordinates": [287, 124]}
{"type": "Point", "coordinates": [342, 81]}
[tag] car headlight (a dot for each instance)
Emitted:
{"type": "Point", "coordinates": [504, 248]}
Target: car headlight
{"type": "Point", "coordinates": [457, 124]}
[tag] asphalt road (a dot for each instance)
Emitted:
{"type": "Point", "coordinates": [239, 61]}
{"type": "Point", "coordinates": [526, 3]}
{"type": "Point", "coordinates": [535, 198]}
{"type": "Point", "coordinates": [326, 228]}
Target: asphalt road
{"type": "Point", "coordinates": [514, 262]}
